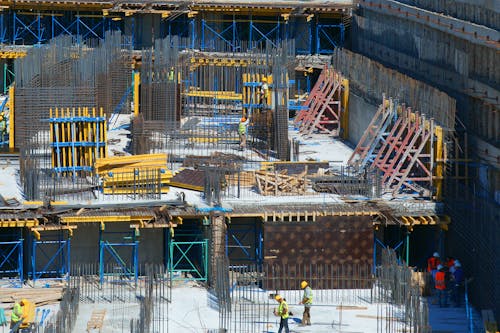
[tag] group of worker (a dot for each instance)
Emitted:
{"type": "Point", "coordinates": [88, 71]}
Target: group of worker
{"type": "Point", "coordinates": [448, 277]}
{"type": "Point", "coordinates": [283, 311]}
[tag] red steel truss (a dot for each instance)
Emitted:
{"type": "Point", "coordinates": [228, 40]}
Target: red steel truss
{"type": "Point", "coordinates": [402, 149]}
{"type": "Point", "coordinates": [373, 135]}
{"type": "Point", "coordinates": [323, 105]}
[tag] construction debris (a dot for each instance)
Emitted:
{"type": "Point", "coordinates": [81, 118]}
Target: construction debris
{"type": "Point", "coordinates": [279, 183]}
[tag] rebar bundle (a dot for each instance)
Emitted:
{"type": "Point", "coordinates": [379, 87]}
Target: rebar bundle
{"type": "Point", "coordinates": [65, 74]}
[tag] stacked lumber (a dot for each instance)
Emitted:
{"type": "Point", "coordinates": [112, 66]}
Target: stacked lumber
{"type": "Point", "coordinates": [280, 183]}
{"type": "Point", "coordinates": [38, 296]}
{"type": "Point", "coordinates": [136, 174]}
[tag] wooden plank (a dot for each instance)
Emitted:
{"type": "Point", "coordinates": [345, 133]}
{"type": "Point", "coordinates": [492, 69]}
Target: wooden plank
{"type": "Point", "coordinates": [96, 320]}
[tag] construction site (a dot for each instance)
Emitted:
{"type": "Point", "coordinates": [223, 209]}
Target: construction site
{"type": "Point", "coordinates": [173, 166]}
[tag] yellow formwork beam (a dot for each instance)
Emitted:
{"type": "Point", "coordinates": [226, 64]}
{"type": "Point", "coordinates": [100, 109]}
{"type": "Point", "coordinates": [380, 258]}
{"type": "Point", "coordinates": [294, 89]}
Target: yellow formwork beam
{"type": "Point", "coordinates": [36, 230]}
{"type": "Point", "coordinates": [107, 219]}
{"type": "Point", "coordinates": [4, 54]}
{"type": "Point", "coordinates": [117, 161]}
{"type": "Point", "coordinates": [137, 82]}
{"type": "Point", "coordinates": [137, 191]}
{"type": "Point", "coordinates": [215, 94]}
{"type": "Point", "coordinates": [439, 158]}
{"type": "Point", "coordinates": [18, 223]}
{"type": "Point", "coordinates": [345, 107]}
{"type": "Point", "coordinates": [12, 117]}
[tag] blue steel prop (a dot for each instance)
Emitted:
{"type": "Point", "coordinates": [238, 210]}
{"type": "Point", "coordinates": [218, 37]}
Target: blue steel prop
{"type": "Point", "coordinates": [326, 43]}
{"type": "Point", "coordinates": [11, 259]}
{"type": "Point", "coordinates": [119, 107]}
{"type": "Point", "coordinates": [57, 263]}
{"type": "Point", "coordinates": [180, 262]}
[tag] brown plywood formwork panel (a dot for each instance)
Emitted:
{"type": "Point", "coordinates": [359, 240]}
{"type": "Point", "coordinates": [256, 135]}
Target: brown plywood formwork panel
{"type": "Point", "coordinates": [341, 245]}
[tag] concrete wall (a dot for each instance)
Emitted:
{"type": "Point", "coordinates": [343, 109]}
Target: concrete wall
{"type": "Point", "coordinates": [484, 12]}
{"type": "Point", "coordinates": [369, 80]}
{"type": "Point", "coordinates": [361, 113]}
{"type": "Point", "coordinates": [85, 242]}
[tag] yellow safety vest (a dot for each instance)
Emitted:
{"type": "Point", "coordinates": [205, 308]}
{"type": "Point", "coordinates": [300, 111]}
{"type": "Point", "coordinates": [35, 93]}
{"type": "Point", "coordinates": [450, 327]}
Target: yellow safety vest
{"type": "Point", "coordinates": [242, 127]}
{"type": "Point", "coordinates": [283, 310]}
{"type": "Point", "coordinates": [17, 313]}
{"type": "Point", "coordinates": [308, 296]}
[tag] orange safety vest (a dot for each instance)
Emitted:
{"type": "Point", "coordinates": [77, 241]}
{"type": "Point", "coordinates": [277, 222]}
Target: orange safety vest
{"type": "Point", "coordinates": [440, 282]}
{"type": "Point", "coordinates": [432, 264]}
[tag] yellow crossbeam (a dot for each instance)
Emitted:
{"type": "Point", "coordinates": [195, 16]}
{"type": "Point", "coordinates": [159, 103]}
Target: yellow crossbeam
{"type": "Point", "coordinates": [216, 94]}
{"type": "Point", "coordinates": [12, 54]}
{"type": "Point", "coordinates": [138, 191]}
{"type": "Point", "coordinates": [17, 223]}
{"type": "Point", "coordinates": [107, 219]}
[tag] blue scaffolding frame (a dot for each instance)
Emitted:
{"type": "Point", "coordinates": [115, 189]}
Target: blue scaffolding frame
{"type": "Point", "coordinates": [38, 27]}
{"type": "Point", "coordinates": [179, 261]}
{"type": "Point", "coordinates": [176, 252]}
{"type": "Point", "coordinates": [326, 43]}
{"type": "Point", "coordinates": [239, 250]}
{"type": "Point", "coordinates": [57, 263]}
{"type": "Point", "coordinates": [108, 253]}
{"type": "Point", "coordinates": [11, 261]}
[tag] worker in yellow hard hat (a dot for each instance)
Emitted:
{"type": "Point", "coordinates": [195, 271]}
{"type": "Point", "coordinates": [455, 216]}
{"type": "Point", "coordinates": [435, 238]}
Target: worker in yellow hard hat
{"type": "Point", "coordinates": [282, 312]}
{"type": "Point", "coordinates": [264, 92]}
{"type": "Point", "coordinates": [3, 126]}
{"type": "Point", "coordinates": [16, 316]}
{"type": "Point", "coordinates": [243, 131]}
{"type": "Point", "coordinates": [307, 299]}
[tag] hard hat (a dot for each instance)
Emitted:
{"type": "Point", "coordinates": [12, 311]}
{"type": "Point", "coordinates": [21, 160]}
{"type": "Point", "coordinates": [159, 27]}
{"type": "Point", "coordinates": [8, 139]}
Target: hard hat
{"type": "Point", "coordinates": [457, 264]}
{"type": "Point", "coordinates": [435, 254]}
{"type": "Point", "coordinates": [278, 297]}
{"type": "Point", "coordinates": [264, 79]}
{"type": "Point", "coordinates": [440, 267]}
{"type": "Point", "coordinates": [303, 284]}
{"type": "Point", "coordinates": [23, 301]}
{"type": "Point", "coordinates": [243, 119]}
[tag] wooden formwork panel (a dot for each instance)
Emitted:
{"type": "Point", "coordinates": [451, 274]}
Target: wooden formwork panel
{"type": "Point", "coordinates": [334, 251]}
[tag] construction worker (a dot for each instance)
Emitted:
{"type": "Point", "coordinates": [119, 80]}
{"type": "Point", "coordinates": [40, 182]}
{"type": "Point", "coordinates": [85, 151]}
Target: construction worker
{"type": "Point", "coordinates": [17, 316]}
{"type": "Point", "coordinates": [458, 283]}
{"type": "Point", "coordinates": [282, 312]}
{"type": "Point", "coordinates": [3, 126]}
{"type": "Point", "coordinates": [171, 74]}
{"type": "Point", "coordinates": [450, 262]}
{"type": "Point", "coordinates": [440, 285]}
{"type": "Point", "coordinates": [242, 132]}
{"type": "Point", "coordinates": [264, 92]}
{"type": "Point", "coordinates": [432, 264]}
{"type": "Point", "coordinates": [307, 301]}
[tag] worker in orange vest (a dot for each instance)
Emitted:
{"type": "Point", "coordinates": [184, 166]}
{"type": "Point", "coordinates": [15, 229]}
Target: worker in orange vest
{"type": "Point", "coordinates": [440, 285]}
{"type": "Point", "coordinates": [432, 264]}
